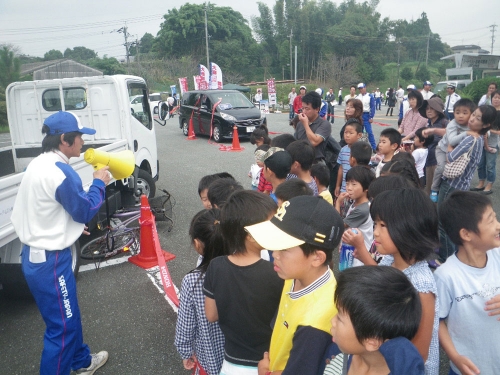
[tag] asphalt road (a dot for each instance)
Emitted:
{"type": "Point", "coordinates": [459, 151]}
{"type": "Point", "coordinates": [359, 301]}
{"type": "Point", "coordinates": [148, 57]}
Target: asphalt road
{"type": "Point", "coordinates": [122, 310]}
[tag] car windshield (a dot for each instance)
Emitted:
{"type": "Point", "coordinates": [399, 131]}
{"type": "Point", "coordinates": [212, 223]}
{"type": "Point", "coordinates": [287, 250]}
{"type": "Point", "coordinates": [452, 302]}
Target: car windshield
{"type": "Point", "coordinates": [233, 100]}
{"type": "Point", "coordinates": [440, 86]}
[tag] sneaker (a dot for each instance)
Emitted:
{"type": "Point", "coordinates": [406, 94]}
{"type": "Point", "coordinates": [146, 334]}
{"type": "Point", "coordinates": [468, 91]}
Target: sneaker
{"type": "Point", "coordinates": [434, 196]}
{"type": "Point", "coordinates": [98, 360]}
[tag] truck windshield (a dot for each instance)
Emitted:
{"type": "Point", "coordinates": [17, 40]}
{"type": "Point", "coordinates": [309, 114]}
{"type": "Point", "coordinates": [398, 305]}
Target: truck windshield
{"type": "Point", "coordinates": [139, 103]}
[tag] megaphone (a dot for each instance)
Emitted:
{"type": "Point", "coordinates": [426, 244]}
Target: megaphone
{"type": "Point", "coordinates": [121, 164]}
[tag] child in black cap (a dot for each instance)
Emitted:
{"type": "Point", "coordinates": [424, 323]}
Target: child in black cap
{"type": "Point", "coordinates": [303, 235]}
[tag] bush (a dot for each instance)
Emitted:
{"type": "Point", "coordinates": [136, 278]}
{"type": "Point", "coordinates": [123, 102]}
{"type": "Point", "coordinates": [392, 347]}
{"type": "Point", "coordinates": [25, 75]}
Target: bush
{"type": "Point", "coordinates": [407, 73]}
{"type": "Point", "coordinates": [478, 88]}
{"type": "Point", "coordinates": [423, 74]}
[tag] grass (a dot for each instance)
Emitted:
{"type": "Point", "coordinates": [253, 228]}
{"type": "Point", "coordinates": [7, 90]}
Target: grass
{"type": "Point", "coordinates": [4, 129]}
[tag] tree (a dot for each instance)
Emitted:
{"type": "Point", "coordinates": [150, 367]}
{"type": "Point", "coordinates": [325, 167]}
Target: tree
{"type": "Point", "coordinates": [10, 67]}
{"type": "Point", "coordinates": [146, 44]}
{"type": "Point", "coordinates": [108, 65]}
{"type": "Point", "coordinates": [53, 54]}
{"type": "Point", "coordinates": [80, 54]}
{"type": "Point", "coordinates": [423, 74]}
{"type": "Point", "coordinates": [407, 73]}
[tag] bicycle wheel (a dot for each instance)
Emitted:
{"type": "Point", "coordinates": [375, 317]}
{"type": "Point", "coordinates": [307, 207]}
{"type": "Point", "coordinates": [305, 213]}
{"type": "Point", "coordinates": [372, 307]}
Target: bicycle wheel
{"type": "Point", "coordinates": [111, 244]}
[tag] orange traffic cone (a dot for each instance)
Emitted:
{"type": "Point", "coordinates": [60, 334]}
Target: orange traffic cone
{"type": "Point", "coordinates": [147, 257]}
{"type": "Point", "coordinates": [191, 135]}
{"type": "Point", "coordinates": [236, 141]}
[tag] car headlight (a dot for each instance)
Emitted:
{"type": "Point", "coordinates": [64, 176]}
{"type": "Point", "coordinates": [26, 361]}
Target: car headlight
{"type": "Point", "coordinates": [227, 117]}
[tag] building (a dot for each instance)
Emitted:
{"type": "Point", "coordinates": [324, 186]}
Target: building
{"type": "Point", "coordinates": [62, 68]}
{"type": "Point", "coordinates": [469, 58]}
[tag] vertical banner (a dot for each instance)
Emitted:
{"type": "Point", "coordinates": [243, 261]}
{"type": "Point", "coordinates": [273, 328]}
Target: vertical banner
{"type": "Point", "coordinates": [272, 98]}
{"type": "Point", "coordinates": [215, 77]}
{"type": "Point", "coordinates": [173, 90]}
{"type": "Point", "coordinates": [271, 87]}
{"type": "Point", "coordinates": [205, 77]}
{"type": "Point", "coordinates": [183, 84]}
{"type": "Point", "coordinates": [196, 80]}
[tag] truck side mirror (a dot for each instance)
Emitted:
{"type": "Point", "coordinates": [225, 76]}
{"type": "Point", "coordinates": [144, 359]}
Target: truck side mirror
{"type": "Point", "coordinates": [162, 110]}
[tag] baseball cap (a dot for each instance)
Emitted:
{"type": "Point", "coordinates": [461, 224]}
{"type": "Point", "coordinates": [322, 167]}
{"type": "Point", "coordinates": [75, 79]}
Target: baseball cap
{"type": "Point", "coordinates": [269, 152]}
{"type": "Point", "coordinates": [435, 103]}
{"type": "Point", "coordinates": [451, 86]}
{"type": "Point", "coordinates": [279, 162]}
{"type": "Point", "coordinates": [65, 122]}
{"type": "Point", "coordinates": [303, 87]}
{"type": "Point", "coordinates": [300, 220]}
{"type": "Point", "coordinates": [361, 85]}
{"type": "Point", "coordinates": [319, 91]}
{"type": "Point", "coordinates": [411, 87]}
{"type": "Point", "coordinates": [427, 83]}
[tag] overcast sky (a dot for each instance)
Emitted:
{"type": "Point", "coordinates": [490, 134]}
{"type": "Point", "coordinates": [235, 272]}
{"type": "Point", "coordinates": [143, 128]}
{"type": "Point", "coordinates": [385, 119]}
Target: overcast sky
{"type": "Point", "coordinates": [37, 26]}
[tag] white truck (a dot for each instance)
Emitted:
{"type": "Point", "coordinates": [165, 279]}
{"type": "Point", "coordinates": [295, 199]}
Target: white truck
{"type": "Point", "coordinates": [101, 103]}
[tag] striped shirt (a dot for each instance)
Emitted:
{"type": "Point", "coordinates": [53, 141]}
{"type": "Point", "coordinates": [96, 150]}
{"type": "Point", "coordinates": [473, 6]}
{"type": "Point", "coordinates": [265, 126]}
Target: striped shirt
{"type": "Point", "coordinates": [463, 182]}
{"type": "Point", "coordinates": [343, 160]}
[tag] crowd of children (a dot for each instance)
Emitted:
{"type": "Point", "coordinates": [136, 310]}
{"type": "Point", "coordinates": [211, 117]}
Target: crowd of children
{"type": "Point", "coordinates": [264, 300]}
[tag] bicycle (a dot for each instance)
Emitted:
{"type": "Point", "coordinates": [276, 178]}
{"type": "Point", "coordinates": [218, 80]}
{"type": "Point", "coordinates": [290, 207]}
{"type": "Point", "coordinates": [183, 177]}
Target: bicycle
{"type": "Point", "coordinates": [119, 237]}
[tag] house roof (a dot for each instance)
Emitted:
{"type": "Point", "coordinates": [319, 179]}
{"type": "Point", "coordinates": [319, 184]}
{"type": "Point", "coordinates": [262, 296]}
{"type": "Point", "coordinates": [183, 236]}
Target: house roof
{"type": "Point", "coordinates": [33, 67]}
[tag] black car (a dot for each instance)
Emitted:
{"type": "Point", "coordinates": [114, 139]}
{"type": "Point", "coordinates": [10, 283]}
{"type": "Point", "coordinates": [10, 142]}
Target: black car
{"type": "Point", "coordinates": [233, 109]}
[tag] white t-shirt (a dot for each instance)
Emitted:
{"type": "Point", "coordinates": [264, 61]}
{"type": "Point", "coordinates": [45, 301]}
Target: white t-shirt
{"type": "Point", "coordinates": [420, 156]}
{"type": "Point", "coordinates": [359, 217]}
{"type": "Point", "coordinates": [463, 291]}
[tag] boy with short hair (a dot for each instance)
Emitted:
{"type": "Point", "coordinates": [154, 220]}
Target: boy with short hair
{"type": "Point", "coordinates": [456, 131]}
{"type": "Point", "coordinates": [277, 164]}
{"type": "Point", "coordinates": [468, 285]}
{"type": "Point", "coordinates": [303, 234]}
{"type": "Point", "coordinates": [220, 190]}
{"type": "Point", "coordinates": [292, 188]}
{"type": "Point", "coordinates": [379, 312]}
{"type": "Point", "coordinates": [352, 134]}
{"type": "Point", "coordinates": [302, 154]}
{"type": "Point", "coordinates": [321, 176]}
{"type": "Point", "coordinates": [205, 183]}
{"type": "Point", "coordinates": [361, 153]}
{"type": "Point", "coordinates": [388, 145]}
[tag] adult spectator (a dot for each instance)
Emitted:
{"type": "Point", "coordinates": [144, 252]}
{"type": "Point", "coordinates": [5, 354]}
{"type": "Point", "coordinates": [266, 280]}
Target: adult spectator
{"type": "Point", "coordinates": [330, 98]}
{"type": "Point", "coordinates": [170, 102]}
{"type": "Point", "coordinates": [352, 93]}
{"type": "Point", "coordinates": [386, 93]}
{"type": "Point", "coordinates": [368, 112]}
{"type": "Point", "coordinates": [324, 105]}
{"type": "Point", "coordinates": [426, 91]}
{"type": "Point", "coordinates": [353, 109]}
{"type": "Point", "coordinates": [400, 94]}
{"type": "Point", "coordinates": [404, 105]}
{"type": "Point", "coordinates": [48, 216]}
{"type": "Point", "coordinates": [258, 96]}
{"type": "Point", "coordinates": [311, 126]}
{"type": "Point", "coordinates": [486, 98]}
{"type": "Point", "coordinates": [340, 96]}
{"type": "Point", "coordinates": [378, 99]}
{"type": "Point", "coordinates": [412, 120]}
{"type": "Point", "coordinates": [390, 100]}
{"type": "Point", "coordinates": [297, 103]}
{"type": "Point", "coordinates": [450, 101]}
{"type": "Point", "coordinates": [291, 97]}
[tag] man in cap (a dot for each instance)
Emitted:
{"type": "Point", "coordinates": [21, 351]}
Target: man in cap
{"type": "Point", "coordinates": [404, 105]}
{"type": "Point", "coordinates": [450, 101]}
{"type": "Point", "coordinates": [309, 229]}
{"type": "Point", "coordinates": [297, 103]}
{"type": "Point", "coordinates": [426, 91]}
{"type": "Point", "coordinates": [49, 216]}
{"type": "Point", "coordinates": [368, 112]}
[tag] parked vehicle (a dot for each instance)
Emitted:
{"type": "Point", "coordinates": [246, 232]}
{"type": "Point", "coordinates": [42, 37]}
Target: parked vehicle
{"type": "Point", "coordinates": [459, 84]}
{"type": "Point", "coordinates": [102, 103]}
{"type": "Point", "coordinates": [232, 108]}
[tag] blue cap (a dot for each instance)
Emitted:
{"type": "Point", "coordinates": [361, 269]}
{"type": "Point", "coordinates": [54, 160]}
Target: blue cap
{"type": "Point", "coordinates": [65, 122]}
{"type": "Point", "coordinates": [428, 83]}
{"type": "Point", "coordinates": [361, 85]}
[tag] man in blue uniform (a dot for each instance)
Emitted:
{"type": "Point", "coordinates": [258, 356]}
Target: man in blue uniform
{"type": "Point", "coordinates": [368, 112]}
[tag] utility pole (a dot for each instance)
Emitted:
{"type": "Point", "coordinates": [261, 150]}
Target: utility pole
{"type": "Point", "coordinates": [399, 48]}
{"type": "Point", "coordinates": [427, 55]}
{"type": "Point", "coordinates": [492, 36]}
{"type": "Point", "coordinates": [295, 64]}
{"type": "Point", "coordinates": [206, 35]}
{"type": "Point", "coordinates": [291, 66]}
{"type": "Point", "coordinates": [125, 35]}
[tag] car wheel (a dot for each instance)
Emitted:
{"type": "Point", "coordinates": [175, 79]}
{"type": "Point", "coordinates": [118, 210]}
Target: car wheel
{"type": "Point", "coordinates": [216, 135]}
{"type": "Point", "coordinates": [145, 185]}
{"type": "Point", "coordinates": [185, 127]}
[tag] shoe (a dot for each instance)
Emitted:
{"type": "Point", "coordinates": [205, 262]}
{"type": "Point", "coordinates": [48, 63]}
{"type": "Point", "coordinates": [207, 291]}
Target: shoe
{"type": "Point", "coordinates": [477, 189]}
{"type": "Point", "coordinates": [434, 196]}
{"type": "Point", "coordinates": [98, 360]}
{"type": "Point", "coordinates": [486, 192]}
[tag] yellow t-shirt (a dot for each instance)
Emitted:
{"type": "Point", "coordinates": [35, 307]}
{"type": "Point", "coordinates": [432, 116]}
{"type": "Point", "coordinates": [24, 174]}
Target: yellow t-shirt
{"type": "Point", "coordinates": [312, 306]}
{"type": "Point", "coordinates": [327, 196]}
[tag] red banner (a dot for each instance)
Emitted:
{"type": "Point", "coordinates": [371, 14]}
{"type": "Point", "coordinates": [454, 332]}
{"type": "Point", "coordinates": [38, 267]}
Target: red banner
{"type": "Point", "coordinates": [183, 83]}
{"type": "Point", "coordinates": [271, 87]}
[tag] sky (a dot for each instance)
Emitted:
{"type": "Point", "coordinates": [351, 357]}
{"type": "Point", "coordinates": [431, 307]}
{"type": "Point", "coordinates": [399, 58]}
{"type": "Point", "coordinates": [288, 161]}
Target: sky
{"type": "Point", "coordinates": [36, 26]}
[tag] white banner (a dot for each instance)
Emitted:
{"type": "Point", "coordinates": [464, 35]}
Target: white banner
{"type": "Point", "coordinates": [205, 76]}
{"type": "Point", "coordinates": [215, 77]}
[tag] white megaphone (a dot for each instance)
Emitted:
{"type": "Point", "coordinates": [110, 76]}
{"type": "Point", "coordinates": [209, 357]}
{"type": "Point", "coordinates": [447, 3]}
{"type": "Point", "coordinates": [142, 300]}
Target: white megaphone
{"type": "Point", "coordinates": [121, 164]}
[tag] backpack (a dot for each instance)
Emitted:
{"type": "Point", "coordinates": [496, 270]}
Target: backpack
{"type": "Point", "coordinates": [332, 150]}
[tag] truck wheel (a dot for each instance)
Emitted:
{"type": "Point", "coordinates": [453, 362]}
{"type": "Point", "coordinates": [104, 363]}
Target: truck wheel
{"type": "Point", "coordinates": [145, 185]}
{"type": "Point", "coordinates": [185, 127]}
{"type": "Point", "coordinates": [216, 136]}
{"type": "Point", "coordinates": [14, 284]}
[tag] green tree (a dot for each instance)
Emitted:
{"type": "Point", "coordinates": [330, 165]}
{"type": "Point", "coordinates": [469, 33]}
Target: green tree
{"type": "Point", "coordinates": [10, 67]}
{"type": "Point", "coordinates": [108, 65]}
{"type": "Point", "coordinates": [423, 74]}
{"type": "Point", "coordinates": [407, 73]}
{"type": "Point", "coordinates": [146, 44]}
{"type": "Point", "coordinates": [53, 54]}
{"type": "Point", "coordinates": [80, 54]}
